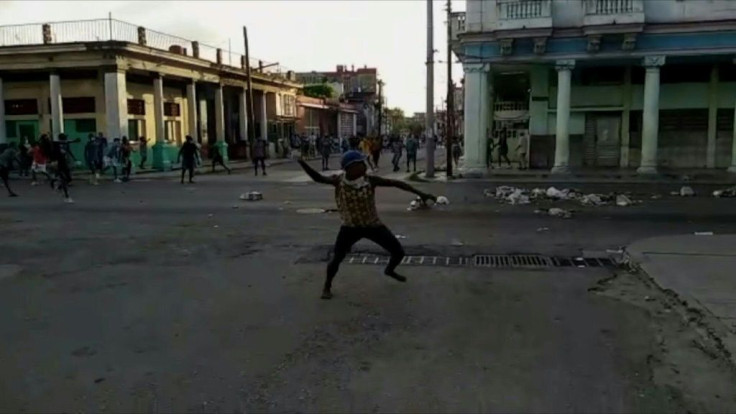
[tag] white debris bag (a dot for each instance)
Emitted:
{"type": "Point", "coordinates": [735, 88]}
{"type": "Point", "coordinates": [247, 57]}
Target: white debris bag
{"type": "Point", "coordinates": [558, 212]}
{"type": "Point", "coordinates": [517, 197]}
{"type": "Point", "coordinates": [686, 191]}
{"type": "Point", "coordinates": [554, 193]}
{"type": "Point", "coordinates": [442, 201]}
{"type": "Point", "coordinates": [251, 196]}
{"type": "Point", "coordinates": [623, 201]}
{"type": "Point", "coordinates": [591, 200]}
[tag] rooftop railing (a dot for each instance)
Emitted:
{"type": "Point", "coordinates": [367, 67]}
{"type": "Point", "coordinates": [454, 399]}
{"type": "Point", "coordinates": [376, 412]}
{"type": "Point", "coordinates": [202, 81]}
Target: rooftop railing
{"type": "Point", "coordinates": [102, 30]}
{"type": "Point", "coordinates": [524, 9]}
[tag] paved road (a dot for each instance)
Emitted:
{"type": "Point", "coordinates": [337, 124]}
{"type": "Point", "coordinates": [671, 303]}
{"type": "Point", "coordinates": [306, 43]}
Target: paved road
{"type": "Point", "coordinates": [153, 296]}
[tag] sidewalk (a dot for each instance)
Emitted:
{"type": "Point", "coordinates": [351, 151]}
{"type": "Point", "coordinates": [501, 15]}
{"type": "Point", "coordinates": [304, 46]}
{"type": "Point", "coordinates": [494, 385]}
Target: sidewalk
{"type": "Point", "coordinates": [715, 177]}
{"type": "Point", "coordinates": [701, 270]}
{"type": "Point", "coordinates": [205, 168]}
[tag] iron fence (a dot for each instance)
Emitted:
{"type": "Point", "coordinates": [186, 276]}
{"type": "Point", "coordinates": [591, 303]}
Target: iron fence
{"type": "Point", "coordinates": [21, 34]}
{"type": "Point", "coordinates": [100, 30]}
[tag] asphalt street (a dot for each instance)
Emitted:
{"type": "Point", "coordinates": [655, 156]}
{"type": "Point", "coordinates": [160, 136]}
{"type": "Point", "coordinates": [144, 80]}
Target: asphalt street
{"type": "Point", "coordinates": [152, 296]}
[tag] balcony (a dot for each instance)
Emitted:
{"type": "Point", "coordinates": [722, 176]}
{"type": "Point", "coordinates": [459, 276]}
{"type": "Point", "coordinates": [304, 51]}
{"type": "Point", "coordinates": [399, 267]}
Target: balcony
{"type": "Point", "coordinates": [613, 12]}
{"type": "Point", "coordinates": [524, 14]}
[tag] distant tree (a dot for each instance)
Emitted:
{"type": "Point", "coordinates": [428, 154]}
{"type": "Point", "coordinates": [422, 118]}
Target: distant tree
{"type": "Point", "coordinates": [322, 90]}
{"type": "Point", "coordinates": [415, 127]}
{"type": "Point", "coordinates": [396, 119]}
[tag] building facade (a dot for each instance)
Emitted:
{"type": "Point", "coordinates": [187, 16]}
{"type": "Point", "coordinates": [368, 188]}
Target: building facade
{"type": "Point", "coordinates": [649, 85]}
{"type": "Point", "coordinates": [61, 78]}
{"type": "Point", "coordinates": [326, 117]}
{"type": "Point", "coordinates": [359, 87]}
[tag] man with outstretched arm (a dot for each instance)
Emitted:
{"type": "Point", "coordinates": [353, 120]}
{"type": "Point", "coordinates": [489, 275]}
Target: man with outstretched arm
{"type": "Point", "coordinates": [356, 202]}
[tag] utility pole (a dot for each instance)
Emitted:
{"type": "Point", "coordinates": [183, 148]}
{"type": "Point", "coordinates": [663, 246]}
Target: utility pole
{"type": "Point", "coordinates": [251, 112]}
{"type": "Point", "coordinates": [380, 106]}
{"type": "Point", "coordinates": [429, 119]}
{"type": "Point", "coordinates": [449, 123]}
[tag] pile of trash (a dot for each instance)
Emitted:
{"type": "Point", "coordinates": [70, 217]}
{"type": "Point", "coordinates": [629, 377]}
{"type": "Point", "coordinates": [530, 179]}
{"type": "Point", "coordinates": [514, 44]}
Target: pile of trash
{"type": "Point", "coordinates": [419, 204]}
{"type": "Point", "coordinates": [726, 192]}
{"type": "Point", "coordinates": [520, 196]}
{"type": "Point", "coordinates": [251, 196]}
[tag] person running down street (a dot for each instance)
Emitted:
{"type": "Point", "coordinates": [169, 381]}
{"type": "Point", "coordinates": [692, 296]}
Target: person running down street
{"type": "Point", "coordinates": [356, 202]}
{"type": "Point", "coordinates": [8, 158]}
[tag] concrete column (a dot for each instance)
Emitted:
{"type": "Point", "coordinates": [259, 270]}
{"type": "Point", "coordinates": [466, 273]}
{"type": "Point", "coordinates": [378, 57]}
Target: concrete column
{"type": "Point", "coordinates": [57, 110]}
{"type": "Point", "coordinates": [161, 160]}
{"type": "Point", "coordinates": [192, 109]}
{"type": "Point", "coordinates": [243, 113]}
{"type": "Point", "coordinates": [220, 121]}
{"type": "Point", "coordinates": [476, 119]}
{"type": "Point", "coordinates": [562, 133]}
{"type": "Point", "coordinates": [650, 124]}
{"type": "Point", "coordinates": [339, 123]}
{"type": "Point", "coordinates": [3, 135]}
{"type": "Point", "coordinates": [626, 120]}
{"type": "Point", "coordinates": [116, 105]}
{"type": "Point", "coordinates": [732, 168]}
{"type": "Point", "coordinates": [264, 117]}
{"type": "Point", "coordinates": [203, 120]}
{"type": "Point", "coordinates": [355, 124]}
{"type": "Point", "coordinates": [219, 114]}
{"type": "Point", "coordinates": [710, 154]}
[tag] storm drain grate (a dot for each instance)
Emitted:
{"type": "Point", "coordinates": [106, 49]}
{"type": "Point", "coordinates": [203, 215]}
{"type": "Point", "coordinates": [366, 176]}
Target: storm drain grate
{"type": "Point", "coordinates": [500, 261]}
{"type": "Point", "coordinates": [504, 260]}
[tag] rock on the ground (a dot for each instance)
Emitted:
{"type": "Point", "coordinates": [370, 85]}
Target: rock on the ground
{"type": "Point", "coordinates": [251, 196]}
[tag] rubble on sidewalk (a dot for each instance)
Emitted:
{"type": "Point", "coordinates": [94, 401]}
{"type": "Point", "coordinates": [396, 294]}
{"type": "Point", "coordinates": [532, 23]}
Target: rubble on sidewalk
{"type": "Point", "coordinates": [725, 193]}
{"type": "Point", "coordinates": [251, 196]}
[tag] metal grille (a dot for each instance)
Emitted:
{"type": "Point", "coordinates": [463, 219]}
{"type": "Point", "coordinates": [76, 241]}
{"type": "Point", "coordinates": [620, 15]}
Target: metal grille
{"type": "Point", "coordinates": [533, 261]}
{"type": "Point", "coordinates": [500, 261]}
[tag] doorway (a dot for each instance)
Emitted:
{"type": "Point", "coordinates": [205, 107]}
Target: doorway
{"type": "Point", "coordinates": [602, 140]}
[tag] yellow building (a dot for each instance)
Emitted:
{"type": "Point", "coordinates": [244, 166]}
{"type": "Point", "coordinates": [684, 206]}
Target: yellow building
{"type": "Point", "coordinates": [122, 80]}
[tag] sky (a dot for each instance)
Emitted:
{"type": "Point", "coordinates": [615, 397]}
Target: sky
{"type": "Point", "coordinates": [302, 35]}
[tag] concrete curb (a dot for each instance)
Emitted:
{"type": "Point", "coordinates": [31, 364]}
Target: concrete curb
{"type": "Point", "coordinates": [709, 326]}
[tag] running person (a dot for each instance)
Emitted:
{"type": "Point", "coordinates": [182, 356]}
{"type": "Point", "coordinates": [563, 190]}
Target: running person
{"type": "Point", "coordinates": [60, 154]}
{"type": "Point", "coordinates": [355, 198]}
{"type": "Point", "coordinates": [126, 149]}
{"type": "Point", "coordinates": [7, 158]}
{"type": "Point", "coordinates": [217, 157]}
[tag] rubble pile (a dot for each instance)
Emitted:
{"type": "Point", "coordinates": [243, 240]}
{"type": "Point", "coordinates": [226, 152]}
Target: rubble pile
{"type": "Point", "coordinates": [726, 192]}
{"type": "Point", "coordinates": [518, 196]}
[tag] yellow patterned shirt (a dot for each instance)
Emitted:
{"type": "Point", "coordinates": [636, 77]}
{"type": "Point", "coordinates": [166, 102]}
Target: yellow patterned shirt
{"type": "Point", "coordinates": [356, 203]}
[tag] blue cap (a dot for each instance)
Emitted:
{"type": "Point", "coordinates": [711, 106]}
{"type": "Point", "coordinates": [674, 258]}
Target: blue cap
{"type": "Point", "coordinates": [351, 157]}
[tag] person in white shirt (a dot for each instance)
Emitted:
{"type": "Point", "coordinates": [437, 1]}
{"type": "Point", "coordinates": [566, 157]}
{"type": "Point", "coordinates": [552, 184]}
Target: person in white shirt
{"type": "Point", "coordinates": [522, 150]}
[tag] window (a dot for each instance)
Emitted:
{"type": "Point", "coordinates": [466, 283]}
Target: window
{"type": "Point", "coordinates": [289, 105]}
{"type": "Point", "coordinates": [136, 107]}
{"type": "Point", "coordinates": [136, 128]}
{"type": "Point", "coordinates": [85, 125]}
{"type": "Point", "coordinates": [83, 105]}
{"type": "Point", "coordinates": [172, 131]}
{"type": "Point", "coordinates": [171, 109]}
{"type": "Point", "coordinates": [21, 107]}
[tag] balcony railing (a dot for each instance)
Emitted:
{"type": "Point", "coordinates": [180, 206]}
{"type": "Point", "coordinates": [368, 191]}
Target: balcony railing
{"type": "Point", "coordinates": [608, 7]}
{"type": "Point", "coordinates": [502, 106]}
{"type": "Point", "coordinates": [608, 12]}
{"type": "Point", "coordinates": [102, 30]}
{"type": "Point", "coordinates": [523, 9]}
